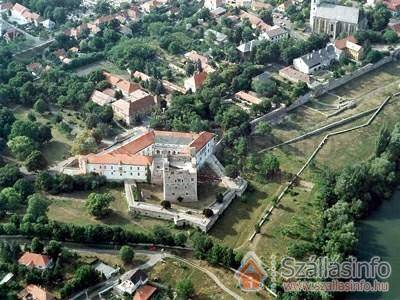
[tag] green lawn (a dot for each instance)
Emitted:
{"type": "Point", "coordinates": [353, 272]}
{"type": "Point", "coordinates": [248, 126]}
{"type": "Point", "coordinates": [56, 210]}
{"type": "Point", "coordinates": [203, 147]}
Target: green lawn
{"type": "Point", "coordinates": [237, 223]}
{"type": "Point", "coordinates": [70, 208]}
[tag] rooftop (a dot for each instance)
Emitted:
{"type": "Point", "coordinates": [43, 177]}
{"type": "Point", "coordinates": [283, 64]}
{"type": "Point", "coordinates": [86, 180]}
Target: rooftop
{"type": "Point", "coordinates": [34, 259]}
{"type": "Point", "coordinates": [338, 12]}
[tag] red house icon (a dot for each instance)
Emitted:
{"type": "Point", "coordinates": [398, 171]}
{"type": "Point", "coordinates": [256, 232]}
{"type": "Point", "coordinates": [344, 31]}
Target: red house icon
{"type": "Point", "coordinates": [251, 274]}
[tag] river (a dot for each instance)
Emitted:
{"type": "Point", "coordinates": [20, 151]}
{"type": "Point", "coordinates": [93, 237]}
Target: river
{"type": "Point", "coordinates": [380, 235]}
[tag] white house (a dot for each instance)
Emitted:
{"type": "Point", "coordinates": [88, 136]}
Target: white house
{"type": "Point", "coordinates": [316, 60]}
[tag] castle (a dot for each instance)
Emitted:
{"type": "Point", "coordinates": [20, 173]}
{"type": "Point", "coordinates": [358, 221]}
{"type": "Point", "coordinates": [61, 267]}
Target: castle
{"type": "Point", "coordinates": [327, 17]}
{"type": "Point", "coordinates": [159, 157]}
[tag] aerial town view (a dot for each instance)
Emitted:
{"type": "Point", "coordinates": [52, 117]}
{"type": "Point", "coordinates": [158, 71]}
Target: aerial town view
{"type": "Point", "coordinates": [199, 149]}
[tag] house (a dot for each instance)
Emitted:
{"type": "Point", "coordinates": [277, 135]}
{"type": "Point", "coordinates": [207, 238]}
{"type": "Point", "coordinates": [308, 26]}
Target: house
{"type": "Point", "coordinates": [142, 76]}
{"type": "Point", "coordinates": [274, 34]}
{"type": "Point", "coordinates": [327, 17]}
{"type": "Point", "coordinates": [294, 75]}
{"type": "Point", "coordinates": [284, 6]}
{"type": "Point", "coordinates": [247, 48]}
{"type": "Point", "coordinates": [77, 32]}
{"type": "Point", "coordinates": [34, 260]}
{"type": "Point", "coordinates": [258, 5]}
{"type": "Point", "coordinates": [11, 34]}
{"type": "Point", "coordinates": [170, 159]}
{"type": "Point", "coordinates": [195, 82]}
{"type": "Point", "coordinates": [248, 98]}
{"type": "Point", "coordinates": [195, 57]}
{"type": "Point", "coordinates": [218, 12]}
{"type": "Point", "coordinates": [239, 3]}
{"type": "Point", "coordinates": [144, 292]}
{"type": "Point", "coordinates": [254, 20]}
{"type": "Point", "coordinates": [138, 104]}
{"type": "Point", "coordinates": [131, 281]}
{"type": "Point", "coordinates": [6, 6]}
{"type": "Point", "coordinates": [213, 4]}
{"type": "Point", "coordinates": [35, 69]}
{"type": "Point", "coordinates": [219, 37]}
{"type": "Point", "coordinates": [349, 47]}
{"type": "Point", "coordinates": [101, 98]}
{"type": "Point", "coordinates": [393, 5]}
{"type": "Point", "coordinates": [263, 76]}
{"type": "Point", "coordinates": [125, 86]}
{"type": "Point", "coordinates": [34, 292]}
{"type": "Point", "coordinates": [23, 15]}
{"type": "Point", "coordinates": [48, 24]}
{"type": "Point", "coordinates": [315, 60]}
{"type": "Point", "coordinates": [104, 269]}
{"type": "Point", "coordinates": [395, 27]}
{"type": "Point", "coordinates": [6, 278]}
{"type": "Point", "coordinates": [125, 30]}
{"type": "Point", "coordinates": [148, 6]}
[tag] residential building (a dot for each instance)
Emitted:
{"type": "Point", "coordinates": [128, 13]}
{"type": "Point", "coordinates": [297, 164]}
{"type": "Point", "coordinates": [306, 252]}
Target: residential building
{"type": "Point", "coordinates": [284, 6]}
{"type": "Point", "coordinates": [138, 104]}
{"type": "Point", "coordinates": [259, 5]}
{"type": "Point", "coordinates": [11, 34]}
{"type": "Point", "coordinates": [48, 24]}
{"type": "Point", "coordinates": [195, 82]}
{"type": "Point", "coordinates": [163, 157]}
{"type": "Point", "coordinates": [145, 292]}
{"type": "Point", "coordinates": [327, 17]}
{"type": "Point", "coordinates": [315, 60]}
{"type": "Point", "coordinates": [125, 86]}
{"type": "Point", "coordinates": [34, 292]}
{"type": "Point", "coordinates": [294, 75]}
{"type": "Point", "coordinates": [131, 281]}
{"type": "Point", "coordinates": [35, 69]}
{"type": "Point", "coordinates": [23, 15]}
{"type": "Point", "coordinates": [195, 57]}
{"type": "Point", "coordinates": [34, 260]}
{"type": "Point", "coordinates": [213, 4]}
{"type": "Point", "coordinates": [246, 48]}
{"type": "Point", "coordinates": [6, 6]}
{"type": "Point", "coordinates": [393, 5]}
{"type": "Point", "coordinates": [349, 47]}
{"type": "Point", "coordinates": [255, 21]}
{"type": "Point", "coordinates": [101, 98]}
{"type": "Point", "coordinates": [239, 3]}
{"type": "Point", "coordinates": [274, 34]}
{"type": "Point", "coordinates": [142, 76]}
{"type": "Point", "coordinates": [218, 12]}
{"type": "Point", "coordinates": [104, 269]}
{"type": "Point", "coordinates": [248, 98]}
{"type": "Point", "coordinates": [395, 27]}
{"type": "Point", "coordinates": [218, 37]}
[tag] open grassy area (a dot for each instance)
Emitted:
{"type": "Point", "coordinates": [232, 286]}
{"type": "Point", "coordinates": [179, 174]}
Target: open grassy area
{"type": "Point", "coordinates": [170, 272]}
{"type": "Point", "coordinates": [237, 223]}
{"type": "Point", "coordinates": [112, 259]}
{"type": "Point", "coordinates": [70, 208]}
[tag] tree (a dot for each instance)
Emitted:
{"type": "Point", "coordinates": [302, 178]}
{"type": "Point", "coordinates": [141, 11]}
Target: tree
{"type": "Point", "coordinates": [126, 254]}
{"type": "Point", "coordinates": [180, 239]}
{"type": "Point", "coordinates": [84, 143]}
{"type": "Point", "coordinates": [6, 120]}
{"type": "Point", "coordinates": [37, 206]}
{"type": "Point", "coordinates": [36, 245]}
{"type": "Point", "coordinates": [166, 204]}
{"type": "Point", "coordinates": [9, 174]}
{"type": "Point", "coordinates": [53, 249]}
{"type": "Point", "coordinates": [266, 16]}
{"type": "Point", "coordinates": [269, 165]}
{"type": "Point", "coordinates": [9, 198]}
{"type": "Point", "coordinates": [265, 87]}
{"type": "Point", "coordinates": [97, 204]}
{"type": "Point", "coordinates": [263, 128]}
{"type": "Point", "coordinates": [40, 106]}
{"type": "Point", "coordinates": [184, 289]}
{"type": "Point", "coordinates": [35, 161]}
{"type": "Point", "coordinates": [59, 15]}
{"type": "Point", "coordinates": [390, 36]}
{"type": "Point", "coordinates": [382, 140]}
{"type": "Point", "coordinates": [21, 146]}
{"type": "Point", "coordinates": [378, 17]}
{"type": "Point", "coordinates": [24, 187]}
{"type": "Point", "coordinates": [373, 56]}
{"type": "Point", "coordinates": [220, 198]}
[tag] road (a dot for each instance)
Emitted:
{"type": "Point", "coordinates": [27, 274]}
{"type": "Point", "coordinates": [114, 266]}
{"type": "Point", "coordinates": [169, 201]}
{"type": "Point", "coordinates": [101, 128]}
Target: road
{"type": "Point", "coordinates": [154, 258]}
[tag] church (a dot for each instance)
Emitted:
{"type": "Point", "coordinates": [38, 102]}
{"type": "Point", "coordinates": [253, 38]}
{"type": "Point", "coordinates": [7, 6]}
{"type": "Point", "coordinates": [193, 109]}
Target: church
{"type": "Point", "coordinates": [327, 17]}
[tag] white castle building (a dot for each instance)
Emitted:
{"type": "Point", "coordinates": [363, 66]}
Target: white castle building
{"type": "Point", "coordinates": [160, 157]}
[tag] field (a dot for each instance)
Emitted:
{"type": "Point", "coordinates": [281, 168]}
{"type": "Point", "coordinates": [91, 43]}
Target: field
{"type": "Point", "coordinates": [101, 65]}
{"type": "Point", "coordinates": [300, 206]}
{"type": "Point", "coordinates": [70, 208]}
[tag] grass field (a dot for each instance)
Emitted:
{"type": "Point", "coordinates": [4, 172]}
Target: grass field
{"type": "Point", "coordinates": [170, 272]}
{"type": "Point", "coordinates": [70, 208]}
{"type": "Point", "coordinates": [338, 152]}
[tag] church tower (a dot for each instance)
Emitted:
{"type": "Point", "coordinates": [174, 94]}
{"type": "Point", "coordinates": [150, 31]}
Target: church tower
{"type": "Point", "coordinates": [313, 10]}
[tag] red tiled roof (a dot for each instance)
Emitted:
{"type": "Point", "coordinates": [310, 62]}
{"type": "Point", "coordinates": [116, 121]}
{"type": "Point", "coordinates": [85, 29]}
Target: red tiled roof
{"type": "Point", "coordinates": [341, 44]}
{"type": "Point", "coordinates": [19, 8]}
{"type": "Point", "coordinates": [248, 97]}
{"type": "Point", "coordinates": [199, 78]}
{"type": "Point", "coordinates": [35, 293]}
{"type": "Point", "coordinates": [34, 259]}
{"type": "Point", "coordinates": [203, 138]}
{"type": "Point", "coordinates": [144, 292]}
{"type": "Point", "coordinates": [138, 144]}
{"type": "Point", "coordinates": [395, 27]}
{"type": "Point", "coordinates": [392, 4]}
